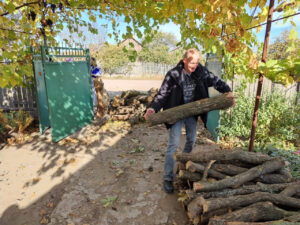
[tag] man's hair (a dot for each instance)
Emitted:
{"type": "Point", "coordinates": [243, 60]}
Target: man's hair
{"type": "Point", "coordinates": [191, 51]}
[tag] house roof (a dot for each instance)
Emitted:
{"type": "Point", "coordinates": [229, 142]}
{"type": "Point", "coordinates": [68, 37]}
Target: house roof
{"type": "Point", "coordinates": [133, 40]}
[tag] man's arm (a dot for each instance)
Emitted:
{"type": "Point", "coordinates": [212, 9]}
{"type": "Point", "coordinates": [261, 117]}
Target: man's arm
{"type": "Point", "coordinates": [163, 93]}
{"type": "Point", "coordinates": [214, 81]}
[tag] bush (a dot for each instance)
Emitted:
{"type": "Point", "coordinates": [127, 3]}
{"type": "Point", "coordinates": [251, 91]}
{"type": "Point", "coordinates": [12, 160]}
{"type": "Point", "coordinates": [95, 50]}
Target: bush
{"type": "Point", "coordinates": [278, 122]}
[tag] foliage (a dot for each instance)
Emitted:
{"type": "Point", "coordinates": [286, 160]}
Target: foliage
{"type": "Point", "coordinates": [111, 58]}
{"type": "Point", "coordinates": [109, 201]}
{"type": "Point", "coordinates": [218, 26]}
{"type": "Point", "coordinates": [293, 157]}
{"type": "Point", "coordinates": [278, 122]}
{"type": "Point", "coordinates": [18, 121]}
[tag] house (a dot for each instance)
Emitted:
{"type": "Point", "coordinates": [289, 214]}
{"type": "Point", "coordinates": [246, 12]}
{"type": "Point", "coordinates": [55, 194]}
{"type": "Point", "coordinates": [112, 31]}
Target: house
{"type": "Point", "coordinates": [137, 45]}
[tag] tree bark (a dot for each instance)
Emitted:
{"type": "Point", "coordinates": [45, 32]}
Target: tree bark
{"type": "Point", "coordinates": [259, 211]}
{"type": "Point", "coordinates": [235, 181]}
{"type": "Point", "coordinates": [195, 108]}
{"type": "Point", "coordinates": [223, 156]}
{"type": "Point", "coordinates": [228, 169]}
{"type": "Point", "coordinates": [101, 105]}
{"type": "Point", "coordinates": [274, 179]}
{"type": "Point", "coordinates": [245, 200]}
{"type": "Point", "coordinates": [291, 190]}
{"type": "Point", "coordinates": [186, 175]}
{"type": "Point", "coordinates": [277, 222]}
{"type": "Point", "coordinates": [247, 189]}
{"type": "Point", "coordinates": [196, 167]}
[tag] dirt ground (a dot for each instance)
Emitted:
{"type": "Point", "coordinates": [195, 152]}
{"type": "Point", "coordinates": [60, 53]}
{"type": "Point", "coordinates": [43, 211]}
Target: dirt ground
{"type": "Point", "coordinates": [102, 175]}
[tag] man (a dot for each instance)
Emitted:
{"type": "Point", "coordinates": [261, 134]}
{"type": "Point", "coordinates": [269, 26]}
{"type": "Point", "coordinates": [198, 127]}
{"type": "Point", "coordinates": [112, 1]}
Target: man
{"type": "Point", "coordinates": [187, 82]}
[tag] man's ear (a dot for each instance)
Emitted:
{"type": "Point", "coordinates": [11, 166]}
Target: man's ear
{"type": "Point", "coordinates": [184, 60]}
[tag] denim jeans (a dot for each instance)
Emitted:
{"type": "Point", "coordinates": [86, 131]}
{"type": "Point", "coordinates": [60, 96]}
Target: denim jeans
{"type": "Point", "coordinates": [174, 140]}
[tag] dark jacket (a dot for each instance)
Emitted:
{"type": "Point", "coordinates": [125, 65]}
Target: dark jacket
{"type": "Point", "coordinates": [171, 91]}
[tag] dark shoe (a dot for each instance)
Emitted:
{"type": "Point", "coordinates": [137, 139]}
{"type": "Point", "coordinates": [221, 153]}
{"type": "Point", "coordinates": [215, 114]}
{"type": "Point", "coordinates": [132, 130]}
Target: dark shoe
{"type": "Point", "coordinates": [168, 186]}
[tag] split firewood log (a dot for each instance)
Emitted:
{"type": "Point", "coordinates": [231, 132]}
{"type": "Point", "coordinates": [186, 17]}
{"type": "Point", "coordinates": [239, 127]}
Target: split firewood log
{"type": "Point", "coordinates": [172, 115]}
{"type": "Point", "coordinates": [237, 180]}
{"type": "Point", "coordinates": [223, 156]}
{"type": "Point", "coordinates": [117, 101]}
{"type": "Point", "coordinates": [256, 212]}
{"type": "Point", "coordinates": [186, 175]}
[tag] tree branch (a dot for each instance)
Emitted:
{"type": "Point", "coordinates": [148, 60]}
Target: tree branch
{"type": "Point", "coordinates": [21, 6]}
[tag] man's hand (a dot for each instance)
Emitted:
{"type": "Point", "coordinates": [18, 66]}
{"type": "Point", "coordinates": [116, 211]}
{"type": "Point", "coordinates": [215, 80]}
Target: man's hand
{"type": "Point", "coordinates": [230, 95]}
{"type": "Point", "coordinates": [150, 111]}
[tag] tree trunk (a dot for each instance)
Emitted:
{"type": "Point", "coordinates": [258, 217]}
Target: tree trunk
{"type": "Point", "coordinates": [195, 108]}
{"type": "Point", "coordinates": [223, 156]}
{"type": "Point", "coordinates": [245, 200]}
{"type": "Point", "coordinates": [102, 106]}
{"type": "Point", "coordinates": [247, 189]}
{"type": "Point", "coordinates": [235, 181]}
{"type": "Point", "coordinates": [228, 169]}
{"type": "Point", "coordinates": [186, 175]}
{"type": "Point", "coordinates": [274, 179]}
{"type": "Point", "coordinates": [259, 211]}
{"type": "Point", "coordinates": [291, 190]}
{"type": "Point", "coordinates": [196, 167]}
{"type": "Point", "coordinates": [277, 222]}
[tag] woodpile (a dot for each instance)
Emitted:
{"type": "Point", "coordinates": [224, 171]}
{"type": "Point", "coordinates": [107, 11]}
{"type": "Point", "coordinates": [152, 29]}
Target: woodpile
{"type": "Point", "coordinates": [131, 105]}
{"type": "Point", "coordinates": [237, 188]}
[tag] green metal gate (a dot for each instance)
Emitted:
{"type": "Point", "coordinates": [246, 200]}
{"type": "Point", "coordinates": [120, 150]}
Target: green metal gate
{"type": "Point", "coordinates": [64, 92]}
{"type": "Point", "coordinates": [214, 65]}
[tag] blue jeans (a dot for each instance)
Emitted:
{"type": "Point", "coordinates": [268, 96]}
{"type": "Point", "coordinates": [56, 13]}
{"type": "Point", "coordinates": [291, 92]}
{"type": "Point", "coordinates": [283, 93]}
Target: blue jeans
{"type": "Point", "coordinates": [174, 140]}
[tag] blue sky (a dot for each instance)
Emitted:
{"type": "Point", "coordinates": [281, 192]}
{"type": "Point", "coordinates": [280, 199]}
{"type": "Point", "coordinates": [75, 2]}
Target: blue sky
{"type": "Point", "coordinates": [276, 29]}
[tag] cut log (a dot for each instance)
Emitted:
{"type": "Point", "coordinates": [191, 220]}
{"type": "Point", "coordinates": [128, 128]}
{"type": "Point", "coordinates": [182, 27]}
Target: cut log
{"type": "Point", "coordinates": [291, 190]}
{"type": "Point", "coordinates": [277, 222]}
{"type": "Point", "coordinates": [179, 166]}
{"type": "Point", "coordinates": [120, 117]}
{"type": "Point", "coordinates": [248, 189]}
{"type": "Point", "coordinates": [130, 93]}
{"type": "Point", "coordinates": [274, 179]}
{"type": "Point", "coordinates": [237, 180]}
{"type": "Point", "coordinates": [244, 200]}
{"type": "Point", "coordinates": [228, 169]}
{"type": "Point", "coordinates": [195, 108]}
{"type": "Point", "coordinates": [186, 175]}
{"type": "Point", "coordinates": [260, 211]}
{"type": "Point", "coordinates": [123, 110]}
{"type": "Point", "coordinates": [223, 156]}
{"type": "Point", "coordinates": [196, 167]}
{"type": "Point", "coordinates": [117, 101]}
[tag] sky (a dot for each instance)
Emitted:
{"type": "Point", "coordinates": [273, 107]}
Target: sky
{"type": "Point", "coordinates": [276, 29]}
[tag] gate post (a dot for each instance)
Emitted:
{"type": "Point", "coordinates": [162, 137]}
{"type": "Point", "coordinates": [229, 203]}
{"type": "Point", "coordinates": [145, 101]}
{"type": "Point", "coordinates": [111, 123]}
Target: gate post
{"type": "Point", "coordinates": [214, 65]}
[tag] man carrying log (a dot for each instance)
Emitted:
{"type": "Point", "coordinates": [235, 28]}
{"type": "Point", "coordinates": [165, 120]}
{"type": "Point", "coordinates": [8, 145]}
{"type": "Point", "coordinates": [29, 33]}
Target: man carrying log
{"type": "Point", "coordinates": [187, 82]}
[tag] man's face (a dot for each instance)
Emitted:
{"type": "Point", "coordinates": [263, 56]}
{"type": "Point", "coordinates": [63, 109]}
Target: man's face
{"type": "Point", "coordinates": [191, 62]}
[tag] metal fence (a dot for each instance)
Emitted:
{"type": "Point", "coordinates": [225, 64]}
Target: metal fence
{"type": "Point", "coordinates": [268, 88]}
{"type": "Point", "coordinates": [142, 69]}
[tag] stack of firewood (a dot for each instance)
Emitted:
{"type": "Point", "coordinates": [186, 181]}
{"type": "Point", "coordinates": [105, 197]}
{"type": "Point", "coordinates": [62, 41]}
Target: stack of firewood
{"type": "Point", "coordinates": [237, 188]}
{"type": "Point", "coordinates": [131, 105]}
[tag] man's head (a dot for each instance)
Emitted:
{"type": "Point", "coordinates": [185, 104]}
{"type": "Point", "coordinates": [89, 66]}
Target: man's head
{"type": "Point", "coordinates": [191, 60]}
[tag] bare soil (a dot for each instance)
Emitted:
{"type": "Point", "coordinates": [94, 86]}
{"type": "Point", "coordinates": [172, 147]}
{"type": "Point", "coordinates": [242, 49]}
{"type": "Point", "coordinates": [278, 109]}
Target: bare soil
{"type": "Point", "coordinates": [101, 175]}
